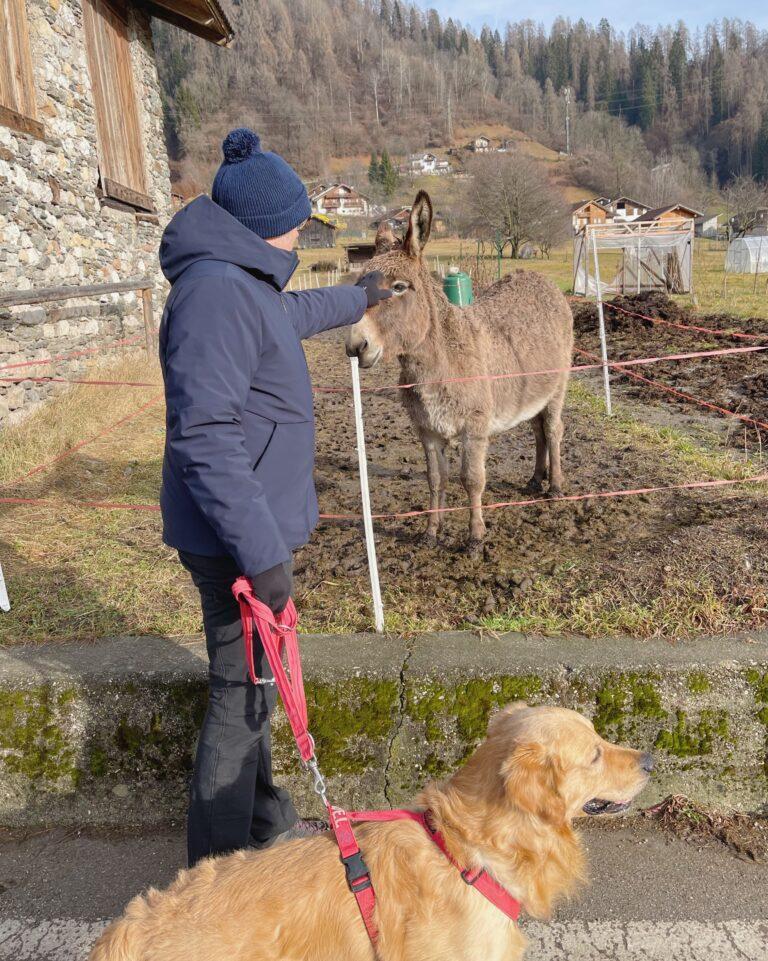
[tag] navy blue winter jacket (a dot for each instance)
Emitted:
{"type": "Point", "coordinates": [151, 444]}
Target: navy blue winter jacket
{"type": "Point", "coordinates": [239, 449]}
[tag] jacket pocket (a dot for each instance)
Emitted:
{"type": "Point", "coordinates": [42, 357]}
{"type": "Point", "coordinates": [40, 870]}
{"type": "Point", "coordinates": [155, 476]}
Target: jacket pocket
{"type": "Point", "coordinates": [259, 434]}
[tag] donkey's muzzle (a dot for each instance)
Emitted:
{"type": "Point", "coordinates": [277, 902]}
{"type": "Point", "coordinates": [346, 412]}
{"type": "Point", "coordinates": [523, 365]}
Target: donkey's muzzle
{"type": "Point", "coordinates": [357, 349]}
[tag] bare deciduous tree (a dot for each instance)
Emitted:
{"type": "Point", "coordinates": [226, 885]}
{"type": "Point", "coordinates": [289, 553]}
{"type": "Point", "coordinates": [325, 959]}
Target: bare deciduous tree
{"type": "Point", "coordinates": [744, 197]}
{"type": "Point", "coordinates": [511, 203]}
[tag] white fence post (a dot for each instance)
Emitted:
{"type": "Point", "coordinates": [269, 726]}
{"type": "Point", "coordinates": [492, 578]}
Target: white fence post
{"type": "Point", "coordinates": [601, 320]}
{"type": "Point", "coordinates": [365, 494]}
{"type": "Point", "coordinates": [5, 604]}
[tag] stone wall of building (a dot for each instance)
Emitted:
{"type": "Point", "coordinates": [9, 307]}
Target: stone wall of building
{"type": "Point", "coordinates": [53, 229]}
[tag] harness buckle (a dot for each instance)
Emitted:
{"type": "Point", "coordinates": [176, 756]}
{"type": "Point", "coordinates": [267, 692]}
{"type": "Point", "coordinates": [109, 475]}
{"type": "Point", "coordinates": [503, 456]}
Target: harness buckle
{"type": "Point", "coordinates": [470, 875]}
{"type": "Point", "coordinates": [356, 870]}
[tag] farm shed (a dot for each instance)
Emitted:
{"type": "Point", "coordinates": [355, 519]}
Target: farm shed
{"type": "Point", "coordinates": [747, 255]}
{"type": "Point", "coordinates": [319, 231]}
{"type": "Point", "coordinates": [359, 254]}
{"type": "Point", "coordinates": [708, 225]}
{"type": "Point", "coordinates": [84, 184]}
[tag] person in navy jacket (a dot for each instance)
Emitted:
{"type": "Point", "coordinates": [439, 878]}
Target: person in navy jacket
{"type": "Point", "coordinates": [237, 493]}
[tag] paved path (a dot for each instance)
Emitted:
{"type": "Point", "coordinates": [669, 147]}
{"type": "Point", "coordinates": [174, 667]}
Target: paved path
{"type": "Point", "coordinates": [651, 899]}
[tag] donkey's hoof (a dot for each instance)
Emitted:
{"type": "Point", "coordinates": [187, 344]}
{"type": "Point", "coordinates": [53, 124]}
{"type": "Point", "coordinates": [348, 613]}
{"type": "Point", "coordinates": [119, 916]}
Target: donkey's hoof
{"type": "Point", "coordinates": [473, 547]}
{"type": "Point", "coordinates": [429, 539]}
{"type": "Point", "coordinates": [555, 492]}
{"type": "Point", "coordinates": [534, 486]}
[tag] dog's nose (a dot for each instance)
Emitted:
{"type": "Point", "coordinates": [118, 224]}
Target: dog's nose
{"type": "Point", "coordinates": [646, 762]}
{"type": "Point", "coordinates": [357, 350]}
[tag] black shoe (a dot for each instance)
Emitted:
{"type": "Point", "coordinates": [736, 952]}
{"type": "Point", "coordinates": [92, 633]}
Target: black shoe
{"type": "Point", "coordinates": [303, 828]}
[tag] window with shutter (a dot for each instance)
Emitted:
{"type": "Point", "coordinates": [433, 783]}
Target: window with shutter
{"type": "Point", "coordinates": [118, 131]}
{"type": "Point", "coordinates": [17, 91]}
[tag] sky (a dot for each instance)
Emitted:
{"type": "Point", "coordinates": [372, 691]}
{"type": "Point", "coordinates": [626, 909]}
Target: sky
{"type": "Point", "coordinates": [623, 16]}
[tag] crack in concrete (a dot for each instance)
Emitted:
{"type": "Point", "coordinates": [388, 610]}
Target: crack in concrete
{"type": "Point", "coordinates": [399, 722]}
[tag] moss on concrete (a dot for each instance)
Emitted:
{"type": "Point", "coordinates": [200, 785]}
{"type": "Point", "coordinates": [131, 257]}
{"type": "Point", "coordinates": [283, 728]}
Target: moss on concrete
{"type": "Point", "coordinates": [461, 713]}
{"type": "Point", "coordinates": [698, 683]}
{"type": "Point", "coordinates": [759, 683]}
{"type": "Point", "coordinates": [155, 741]}
{"type": "Point", "coordinates": [351, 722]}
{"type": "Point", "coordinates": [622, 699]}
{"type": "Point", "coordinates": [689, 738]}
{"type": "Point", "coordinates": [33, 736]}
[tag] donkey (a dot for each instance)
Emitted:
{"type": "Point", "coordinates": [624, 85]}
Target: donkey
{"type": "Point", "coordinates": [521, 324]}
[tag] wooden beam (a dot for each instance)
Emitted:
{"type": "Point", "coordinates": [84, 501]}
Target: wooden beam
{"type": "Point", "coordinates": [51, 295]}
{"type": "Point", "coordinates": [17, 121]}
{"type": "Point", "coordinates": [209, 27]}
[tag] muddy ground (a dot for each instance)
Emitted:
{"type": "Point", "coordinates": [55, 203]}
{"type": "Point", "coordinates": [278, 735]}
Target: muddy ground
{"type": "Point", "coordinates": [738, 382]}
{"type": "Point", "coordinates": [670, 563]}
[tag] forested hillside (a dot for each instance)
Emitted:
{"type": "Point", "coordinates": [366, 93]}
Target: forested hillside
{"type": "Point", "coordinates": [330, 78]}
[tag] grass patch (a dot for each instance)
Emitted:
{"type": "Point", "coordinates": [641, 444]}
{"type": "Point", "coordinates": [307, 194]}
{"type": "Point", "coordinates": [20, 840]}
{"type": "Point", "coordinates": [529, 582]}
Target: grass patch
{"type": "Point", "coordinates": [575, 603]}
{"type": "Point", "coordinates": [696, 457]}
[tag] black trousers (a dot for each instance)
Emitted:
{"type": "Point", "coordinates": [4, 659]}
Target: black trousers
{"type": "Point", "coordinates": [233, 801]}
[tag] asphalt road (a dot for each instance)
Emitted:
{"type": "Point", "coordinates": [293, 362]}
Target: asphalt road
{"type": "Point", "coordinates": [652, 897]}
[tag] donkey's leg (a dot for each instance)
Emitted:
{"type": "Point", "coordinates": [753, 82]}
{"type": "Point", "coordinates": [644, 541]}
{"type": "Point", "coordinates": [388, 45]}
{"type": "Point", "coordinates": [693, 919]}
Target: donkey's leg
{"type": "Point", "coordinates": [553, 429]}
{"type": "Point", "coordinates": [474, 450]}
{"type": "Point", "coordinates": [534, 485]}
{"type": "Point", "coordinates": [432, 451]}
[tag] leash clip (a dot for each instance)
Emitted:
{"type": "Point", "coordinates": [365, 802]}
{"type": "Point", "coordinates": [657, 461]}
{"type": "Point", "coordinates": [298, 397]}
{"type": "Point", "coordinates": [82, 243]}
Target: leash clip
{"type": "Point", "coordinates": [318, 780]}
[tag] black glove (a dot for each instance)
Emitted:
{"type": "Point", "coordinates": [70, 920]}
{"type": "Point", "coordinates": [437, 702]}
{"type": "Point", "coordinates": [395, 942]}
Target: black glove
{"type": "Point", "coordinates": [274, 587]}
{"type": "Point", "coordinates": [371, 284]}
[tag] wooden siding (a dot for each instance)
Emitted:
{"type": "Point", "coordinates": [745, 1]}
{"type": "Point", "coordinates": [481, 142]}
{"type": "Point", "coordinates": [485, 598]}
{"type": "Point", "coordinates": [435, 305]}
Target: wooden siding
{"type": "Point", "coordinates": [18, 108]}
{"type": "Point", "coordinates": [118, 130]}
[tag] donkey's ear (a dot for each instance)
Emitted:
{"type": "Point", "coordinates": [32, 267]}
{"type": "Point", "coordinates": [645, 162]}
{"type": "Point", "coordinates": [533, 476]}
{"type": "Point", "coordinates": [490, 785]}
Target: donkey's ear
{"type": "Point", "coordinates": [419, 225]}
{"type": "Point", "coordinates": [385, 238]}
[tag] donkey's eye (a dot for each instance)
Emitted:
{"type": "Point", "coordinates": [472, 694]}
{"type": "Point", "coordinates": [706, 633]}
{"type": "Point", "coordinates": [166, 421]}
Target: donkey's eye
{"type": "Point", "coordinates": [598, 755]}
{"type": "Point", "coordinates": [399, 287]}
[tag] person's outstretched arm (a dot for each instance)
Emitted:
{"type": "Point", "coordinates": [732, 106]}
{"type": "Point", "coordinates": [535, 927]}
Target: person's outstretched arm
{"type": "Point", "coordinates": [314, 311]}
{"type": "Point", "coordinates": [212, 349]}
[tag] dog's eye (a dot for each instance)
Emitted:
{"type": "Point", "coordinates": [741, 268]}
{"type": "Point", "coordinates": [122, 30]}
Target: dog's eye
{"type": "Point", "coordinates": [399, 287]}
{"type": "Point", "coordinates": [598, 755]}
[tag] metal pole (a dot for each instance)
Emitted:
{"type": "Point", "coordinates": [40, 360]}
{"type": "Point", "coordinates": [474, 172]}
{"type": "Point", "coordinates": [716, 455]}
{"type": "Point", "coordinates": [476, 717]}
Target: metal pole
{"type": "Point", "coordinates": [5, 604]}
{"type": "Point", "coordinates": [757, 265]}
{"type": "Point", "coordinates": [601, 320]}
{"type": "Point", "coordinates": [365, 495]}
{"type": "Point", "coordinates": [149, 323]}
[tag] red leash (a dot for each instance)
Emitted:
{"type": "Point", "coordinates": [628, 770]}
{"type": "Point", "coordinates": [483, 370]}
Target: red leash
{"type": "Point", "coordinates": [278, 637]}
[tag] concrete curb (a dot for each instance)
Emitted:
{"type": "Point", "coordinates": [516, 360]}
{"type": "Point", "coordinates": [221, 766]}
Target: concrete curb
{"type": "Point", "coordinates": [105, 733]}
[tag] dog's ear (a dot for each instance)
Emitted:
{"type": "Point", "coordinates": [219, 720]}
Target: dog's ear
{"type": "Point", "coordinates": [499, 716]}
{"type": "Point", "coordinates": [532, 782]}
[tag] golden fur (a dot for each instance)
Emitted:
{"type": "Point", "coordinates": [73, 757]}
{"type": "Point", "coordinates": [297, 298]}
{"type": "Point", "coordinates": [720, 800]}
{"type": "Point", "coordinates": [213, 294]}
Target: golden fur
{"type": "Point", "coordinates": [509, 810]}
{"type": "Point", "coordinates": [522, 323]}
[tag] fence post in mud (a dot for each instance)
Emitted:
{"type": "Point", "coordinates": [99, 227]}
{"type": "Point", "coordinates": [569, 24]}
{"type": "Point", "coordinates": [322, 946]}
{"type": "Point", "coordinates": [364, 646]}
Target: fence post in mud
{"type": "Point", "coordinates": [5, 604]}
{"type": "Point", "coordinates": [601, 321]}
{"type": "Point", "coordinates": [149, 321]}
{"type": "Point", "coordinates": [365, 494]}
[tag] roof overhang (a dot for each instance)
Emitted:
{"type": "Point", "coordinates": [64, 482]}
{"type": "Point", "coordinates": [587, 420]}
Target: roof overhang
{"type": "Point", "coordinates": [203, 18]}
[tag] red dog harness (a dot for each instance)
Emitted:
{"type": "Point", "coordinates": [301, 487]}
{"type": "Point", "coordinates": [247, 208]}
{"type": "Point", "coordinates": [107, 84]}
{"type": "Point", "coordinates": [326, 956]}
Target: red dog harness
{"type": "Point", "coordinates": [279, 637]}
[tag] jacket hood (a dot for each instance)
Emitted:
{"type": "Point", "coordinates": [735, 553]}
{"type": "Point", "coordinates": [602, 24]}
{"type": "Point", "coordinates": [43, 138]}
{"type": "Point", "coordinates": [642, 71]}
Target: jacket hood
{"type": "Point", "coordinates": [204, 231]}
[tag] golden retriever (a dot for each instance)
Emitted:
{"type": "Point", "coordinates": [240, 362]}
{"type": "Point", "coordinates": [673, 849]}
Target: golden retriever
{"type": "Point", "coordinates": [508, 809]}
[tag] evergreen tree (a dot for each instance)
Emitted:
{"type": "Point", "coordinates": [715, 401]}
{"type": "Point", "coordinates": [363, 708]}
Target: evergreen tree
{"type": "Point", "coordinates": [374, 171]}
{"type": "Point", "coordinates": [388, 176]}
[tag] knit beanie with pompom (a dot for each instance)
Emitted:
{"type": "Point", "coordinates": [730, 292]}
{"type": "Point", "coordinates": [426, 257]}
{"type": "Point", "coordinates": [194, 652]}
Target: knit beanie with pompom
{"type": "Point", "coordinates": [258, 187]}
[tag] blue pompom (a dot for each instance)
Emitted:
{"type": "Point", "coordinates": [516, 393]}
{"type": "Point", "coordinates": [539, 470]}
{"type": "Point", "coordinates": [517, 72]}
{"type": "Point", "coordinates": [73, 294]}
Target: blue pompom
{"type": "Point", "coordinates": [240, 144]}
